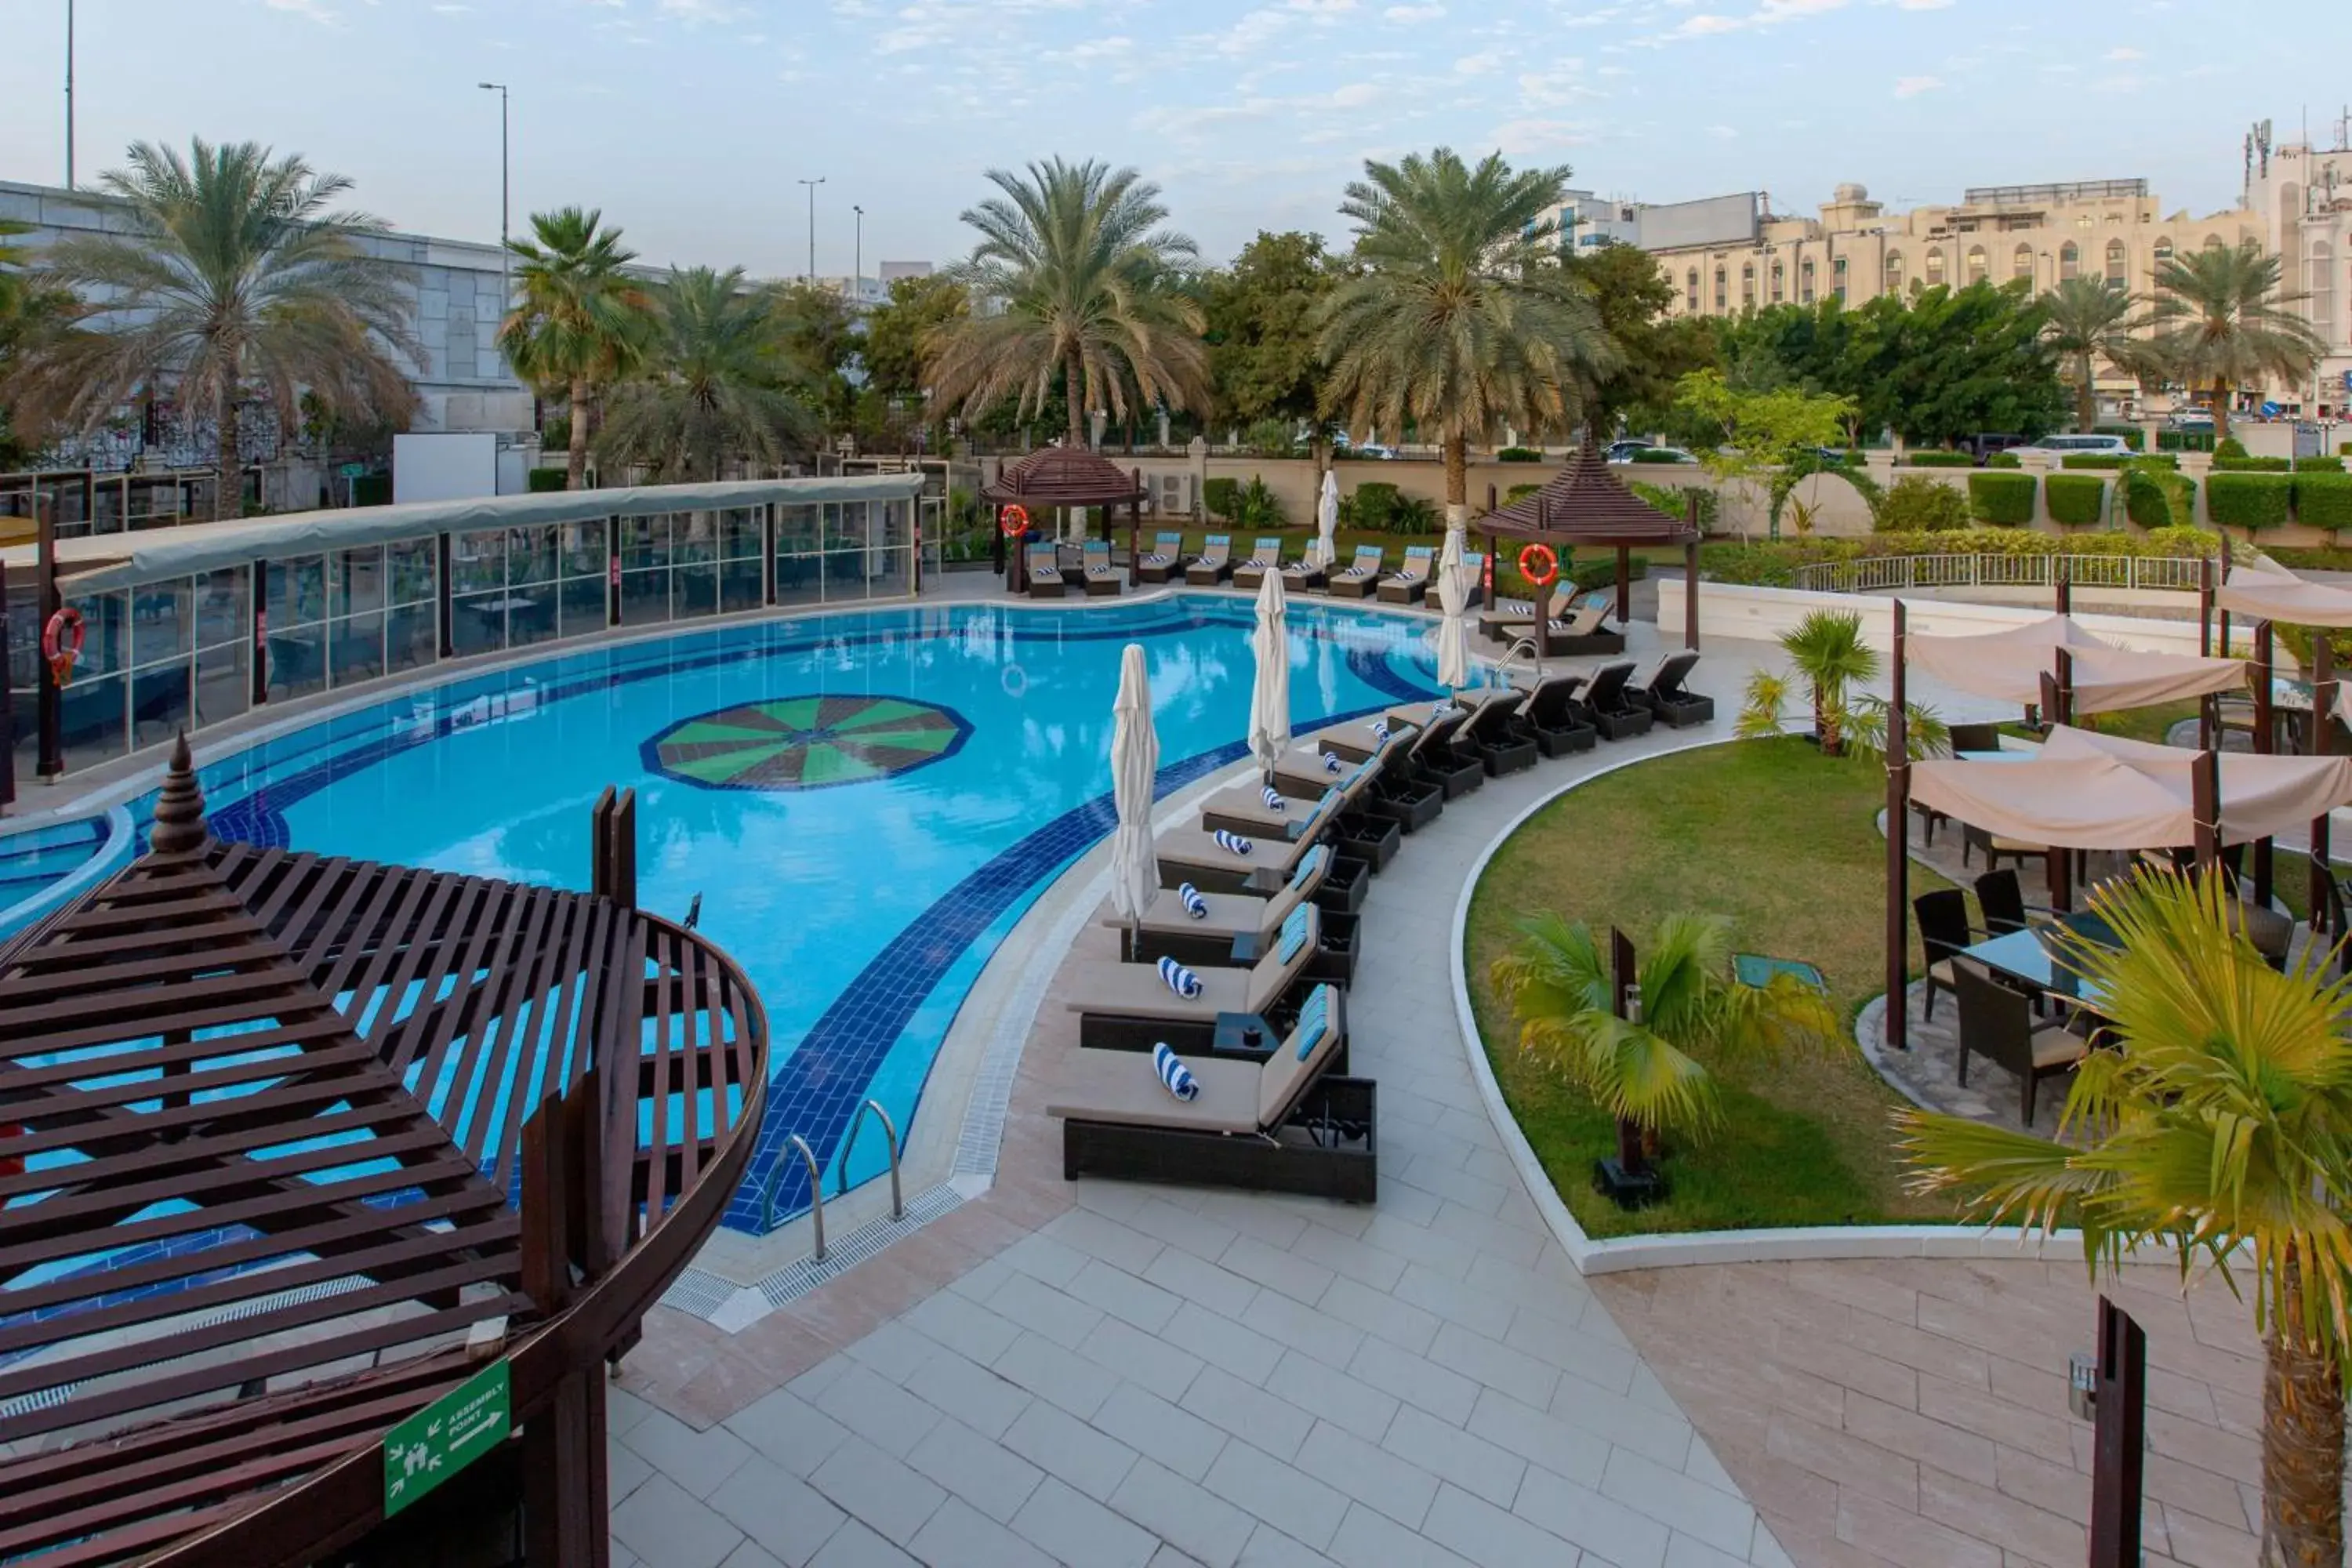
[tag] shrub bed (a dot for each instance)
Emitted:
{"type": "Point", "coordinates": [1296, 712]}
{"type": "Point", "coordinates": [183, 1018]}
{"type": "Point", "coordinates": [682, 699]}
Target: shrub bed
{"type": "Point", "coordinates": [2156, 497]}
{"type": "Point", "coordinates": [540, 480]}
{"type": "Point", "coordinates": [2253, 465]}
{"type": "Point", "coordinates": [1223, 496]}
{"type": "Point", "coordinates": [1518, 455]}
{"type": "Point", "coordinates": [2133, 435]}
{"type": "Point", "coordinates": [2319, 465]}
{"type": "Point", "coordinates": [2253, 501]}
{"type": "Point", "coordinates": [1939, 460]}
{"type": "Point", "coordinates": [2003, 499]}
{"type": "Point", "coordinates": [1655, 455]}
{"type": "Point", "coordinates": [2004, 460]}
{"type": "Point", "coordinates": [1674, 501]}
{"type": "Point", "coordinates": [2105, 462]}
{"type": "Point", "coordinates": [2075, 500]}
{"type": "Point", "coordinates": [1917, 504]}
{"type": "Point", "coordinates": [2323, 500]}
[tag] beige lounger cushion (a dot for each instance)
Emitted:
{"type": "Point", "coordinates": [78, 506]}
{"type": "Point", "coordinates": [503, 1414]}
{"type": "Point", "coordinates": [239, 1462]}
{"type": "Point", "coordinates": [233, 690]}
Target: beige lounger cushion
{"type": "Point", "coordinates": [1230, 914]}
{"type": "Point", "coordinates": [1136, 991]}
{"type": "Point", "coordinates": [1122, 1087]}
{"type": "Point", "coordinates": [1191, 846]}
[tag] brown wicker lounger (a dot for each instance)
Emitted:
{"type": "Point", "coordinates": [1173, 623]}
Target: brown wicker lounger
{"type": "Point", "coordinates": [1045, 577]}
{"type": "Point", "coordinates": [1108, 993]}
{"type": "Point", "coordinates": [1266, 557]}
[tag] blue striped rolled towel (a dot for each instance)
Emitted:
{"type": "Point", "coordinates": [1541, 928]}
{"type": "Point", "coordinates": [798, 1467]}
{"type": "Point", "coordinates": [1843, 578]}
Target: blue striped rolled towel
{"type": "Point", "coordinates": [1272, 798]}
{"type": "Point", "coordinates": [1331, 763]}
{"type": "Point", "coordinates": [1232, 843]}
{"type": "Point", "coordinates": [1180, 980]}
{"type": "Point", "coordinates": [1379, 729]}
{"type": "Point", "coordinates": [1194, 904]}
{"type": "Point", "coordinates": [1172, 1073]}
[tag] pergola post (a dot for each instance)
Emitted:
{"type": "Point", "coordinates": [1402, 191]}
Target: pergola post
{"type": "Point", "coordinates": [1625, 584]}
{"type": "Point", "coordinates": [2224, 650]}
{"type": "Point", "coordinates": [2065, 585]}
{"type": "Point", "coordinates": [2265, 742]}
{"type": "Point", "coordinates": [7, 712]}
{"type": "Point", "coordinates": [2205, 808]}
{"type": "Point", "coordinates": [2323, 744]}
{"type": "Point", "coordinates": [1690, 578]}
{"type": "Point", "coordinates": [2205, 705]}
{"type": "Point", "coordinates": [1135, 526]}
{"type": "Point", "coordinates": [1898, 1021]}
{"type": "Point", "coordinates": [49, 705]}
{"type": "Point", "coordinates": [2059, 863]}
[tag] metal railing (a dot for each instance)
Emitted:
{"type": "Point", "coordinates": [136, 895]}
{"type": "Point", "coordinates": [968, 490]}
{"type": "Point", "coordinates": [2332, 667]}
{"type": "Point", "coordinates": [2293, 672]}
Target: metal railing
{"type": "Point", "coordinates": [816, 1175]}
{"type": "Point", "coordinates": [1907, 574]}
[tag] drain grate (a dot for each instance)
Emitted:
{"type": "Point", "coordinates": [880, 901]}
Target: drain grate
{"type": "Point", "coordinates": [699, 1291]}
{"type": "Point", "coordinates": [789, 1284]}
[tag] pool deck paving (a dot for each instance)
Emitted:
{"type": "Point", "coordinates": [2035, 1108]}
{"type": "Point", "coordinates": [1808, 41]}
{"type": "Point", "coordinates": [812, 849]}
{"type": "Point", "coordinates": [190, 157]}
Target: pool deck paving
{"type": "Point", "coordinates": [1112, 1374]}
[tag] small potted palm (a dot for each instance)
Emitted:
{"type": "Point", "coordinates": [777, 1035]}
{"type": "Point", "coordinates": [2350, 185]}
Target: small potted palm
{"type": "Point", "coordinates": [1827, 651]}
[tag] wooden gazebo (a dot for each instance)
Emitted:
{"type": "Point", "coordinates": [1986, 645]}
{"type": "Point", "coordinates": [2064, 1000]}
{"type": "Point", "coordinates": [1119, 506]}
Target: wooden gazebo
{"type": "Point", "coordinates": [1585, 507]}
{"type": "Point", "coordinates": [293, 1146]}
{"type": "Point", "coordinates": [1068, 476]}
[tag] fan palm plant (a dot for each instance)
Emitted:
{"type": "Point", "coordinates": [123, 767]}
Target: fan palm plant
{"type": "Point", "coordinates": [1643, 1069]}
{"type": "Point", "coordinates": [1459, 319]}
{"type": "Point", "coordinates": [2224, 323]}
{"type": "Point", "coordinates": [231, 278]}
{"type": "Point", "coordinates": [2223, 1127]}
{"type": "Point", "coordinates": [2086, 320]}
{"type": "Point", "coordinates": [1075, 286]}
{"type": "Point", "coordinates": [717, 384]}
{"type": "Point", "coordinates": [1826, 648]}
{"type": "Point", "coordinates": [579, 321]}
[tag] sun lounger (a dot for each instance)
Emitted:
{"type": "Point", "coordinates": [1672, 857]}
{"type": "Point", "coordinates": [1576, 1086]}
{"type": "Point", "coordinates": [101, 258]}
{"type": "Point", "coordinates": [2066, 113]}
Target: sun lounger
{"type": "Point", "coordinates": [1045, 577]}
{"type": "Point", "coordinates": [1676, 704]}
{"type": "Point", "coordinates": [1359, 577]}
{"type": "Point", "coordinates": [1475, 562]}
{"type": "Point", "coordinates": [1558, 720]}
{"type": "Point", "coordinates": [1307, 572]}
{"type": "Point", "coordinates": [1265, 556]}
{"type": "Point", "coordinates": [1434, 761]}
{"type": "Point", "coordinates": [1420, 713]}
{"type": "Point", "coordinates": [1124, 1003]}
{"type": "Point", "coordinates": [1166, 926]}
{"type": "Point", "coordinates": [1095, 570]}
{"type": "Point", "coordinates": [1242, 809]}
{"type": "Point", "coordinates": [1357, 739]}
{"type": "Point", "coordinates": [1513, 618]}
{"type": "Point", "coordinates": [1408, 583]}
{"type": "Point", "coordinates": [1280, 1125]}
{"type": "Point", "coordinates": [1193, 855]}
{"type": "Point", "coordinates": [1614, 712]}
{"type": "Point", "coordinates": [1167, 555]}
{"type": "Point", "coordinates": [1214, 564]}
{"type": "Point", "coordinates": [1492, 735]}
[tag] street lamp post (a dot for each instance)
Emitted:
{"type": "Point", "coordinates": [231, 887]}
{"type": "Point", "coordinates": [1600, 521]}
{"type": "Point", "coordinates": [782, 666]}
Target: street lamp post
{"type": "Point", "coordinates": [70, 103]}
{"type": "Point", "coordinates": [811, 185]}
{"type": "Point", "coordinates": [858, 254]}
{"type": "Point", "coordinates": [506, 277]}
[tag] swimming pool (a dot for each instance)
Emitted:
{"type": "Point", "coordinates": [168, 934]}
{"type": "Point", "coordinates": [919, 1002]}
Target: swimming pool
{"type": "Point", "coordinates": [865, 803]}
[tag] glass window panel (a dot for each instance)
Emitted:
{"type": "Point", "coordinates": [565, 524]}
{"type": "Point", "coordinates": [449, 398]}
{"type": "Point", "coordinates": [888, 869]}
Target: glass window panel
{"type": "Point", "coordinates": [91, 721]}
{"type": "Point", "coordinates": [298, 662]}
{"type": "Point", "coordinates": [224, 682]}
{"type": "Point", "coordinates": [644, 543]}
{"type": "Point", "coordinates": [359, 581]}
{"type": "Point", "coordinates": [797, 532]}
{"type": "Point", "coordinates": [886, 573]}
{"type": "Point", "coordinates": [357, 650]}
{"type": "Point", "coordinates": [583, 546]}
{"type": "Point", "coordinates": [694, 591]}
{"type": "Point", "coordinates": [800, 579]}
{"type": "Point", "coordinates": [106, 634]}
{"type": "Point", "coordinates": [163, 620]}
{"type": "Point", "coordinates": [741, 533]}
{"type": "Point", "coordinates": [739, 585]}
{"type": "Point", "coordinates": [297, 591]}
{"type": "Point", "coordinates": [411, 638]}
{"type": "Point", "coordinates": [694, 536]}
{"type": "Point", "coordinates": [412, 562]}
{"type": "Point", "coordinates": [645, 598]}
{"type": "Point", "coordinates": [478, 562]}
{"type": "Point", "coordinates": [530, 614]}
{"type": "Point", "coordinates": [159, 701]}
{"type": "Point", "coordinates": [582, 605]}
{"type": "Point", "coordinates": [478, 623]}
{"type": "Point", "coordinates": [844, 525]}
{"type": "Point", "coordinates": [530, 554]}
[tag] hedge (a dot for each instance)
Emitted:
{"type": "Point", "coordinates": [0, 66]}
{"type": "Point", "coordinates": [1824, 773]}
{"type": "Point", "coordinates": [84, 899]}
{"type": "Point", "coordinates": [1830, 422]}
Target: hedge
{"type": "Point", "coordinates": [1601, 572]}
{"type": "Point", "coordinates": [1656, 455]}
{"type": "Point", "coordinates": [1917, 503]}
{"type": "Point", "coordinates": [2133, 435]}
{"type": "Point", "coordinates": [2228, 447]}
{"type": "Point", "coordinates": [2074, 500]}
{"type": "Point", "coordinates": [2319, 465]}
{"type": "Point", "coordinates": [2109, 461]}
{"type": "Point", "coordinates": [2252, 464]}
{"type": "Point", "coordinates": [1223, 496]}
{"type": "Point", "coordinates": [2003, 499]}
{"type": "Point", "coordinates": [1518, 455]}
{"type": "Point", "coordinates": [2003, 460]}
{"type": "Point", "coordinates": [544, 480]}
{"type": "Point", "coordinates": [2158, 498]}
{"type": "Point", "coordinates": [1774, 565]}
{"type": "Point", "coordinates": [1939, 460]}
{"type": "Point", "coordinates": [2249, 500]}
{"type": "Point", "coordinates": [2324, 500]}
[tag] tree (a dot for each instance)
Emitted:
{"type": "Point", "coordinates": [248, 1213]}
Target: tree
{"type": "Point", "coordinates": [1462, 319]}
{"type": "Point", "coordinates": [1764, 434]}
{"type": "Point", "coordinates": [717, 384]}
{"type": "Point", "coordinates": [1952, 363]}
{"type": "Point", "coordinates": [1645, 1070]}
{"type": "Point", "coordinates": [892, 349]}
{"type": "Point", "coordinates": [2086, 320]}
{"type": "Point", "coordinates": [1630, 296]}
{"type": "Point", "coordinates": [1084, 295]}
{"type": "Point", "coordinates": [2221, 1128]}
{"type": "Point", "coordinates": [579, 320]}
{"type": "Point", "coordinates": [232, 279]}
{"type": "Point", "coordinates": [1826, 648]}
{"type": "Point", "coordinates": [1260, 326]}
{"type": "Point", "coordinates": [817, 330]}
{"type": "Point", "coordinates": [2223, 323]}
{"type": "Point", "coordinates": [34, 313]}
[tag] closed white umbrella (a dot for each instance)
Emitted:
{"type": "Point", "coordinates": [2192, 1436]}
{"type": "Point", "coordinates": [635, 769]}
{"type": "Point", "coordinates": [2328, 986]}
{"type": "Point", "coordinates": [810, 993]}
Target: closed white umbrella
{"type": "Point", "coordinates": [1453, 628]}
{"type": "Point", "coordinates": [1134, 771]}
{"type": "Point", "coordinates": [1269, 731]}
{"type": "Point", "coordinates": [1327, 519]}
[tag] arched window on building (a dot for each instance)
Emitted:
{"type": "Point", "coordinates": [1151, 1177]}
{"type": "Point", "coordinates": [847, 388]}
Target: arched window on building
{"type": "Point", "coordinates": [2083, 221]}
{"type": "Point", "coordinates": [1747, 284]}
{"type": "Point", "coordinates": [1779, 282]}
{"type": "Point", "coordinates": [2214, 242]}
{"type": "Point", "coordinates": [2114, 220]}
{"type": "Point", "coordinates": [1979, 268]}
{"type": "Point", "coordinates": [2020, 264]}
{"type": "Point", "coordinates": [1935, 268]}
{"type": "Point", "coordinates": [2322, 288]}
{"type": "Point", "coordinates": [1690, 291]}
{"type": "Point", "coordinates": [2069, 261]}
{"type": "Point", "coordinates": [1837, 277]}
{"type": "Point", "coordinates": [1805, 281]}
{"type": "Point", "coordinates": [2163, 251]}
{"type": "Point", "coordinates": [2116, 261]}
{"type": "Point", "coordinates": [1894, 272]}
{"type": "Point", "coordinates": [1722, 291]}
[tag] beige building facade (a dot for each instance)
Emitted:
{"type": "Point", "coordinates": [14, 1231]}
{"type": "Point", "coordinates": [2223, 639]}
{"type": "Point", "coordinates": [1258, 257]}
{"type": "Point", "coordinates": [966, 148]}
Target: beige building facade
{"type": "Point", "coordinates": [2303, 195]}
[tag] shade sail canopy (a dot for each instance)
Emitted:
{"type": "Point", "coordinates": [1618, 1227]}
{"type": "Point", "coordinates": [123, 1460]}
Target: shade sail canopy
{"type": "Point", "coordinates": [2009, 665]}
{"type": "Point", "coordinates": [1583, 504]}
{"type": "Point", "coordinates": [2088, 791]}
{"type": "Point", "coordinates": [99, 562]}
{"type": "Point", "coordinates": [2267, 590]}
{"type": "Point", "coordinates": [1063, 476]}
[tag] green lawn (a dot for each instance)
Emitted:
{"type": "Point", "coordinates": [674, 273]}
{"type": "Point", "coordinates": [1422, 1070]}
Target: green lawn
{"type": "Point", "coordinates": [1784, 842]}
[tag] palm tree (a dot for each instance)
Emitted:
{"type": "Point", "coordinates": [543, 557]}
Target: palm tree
{"type": "Point", "coordinates": [2222, 1129]}
{"type": "Point", "coordinates": [1825, 648]}
{"type": "Point", "coordinates": [1461, 320]}
{"type": "Point", "coordinates": [1074, 280]}
{"type": "Point", "coordinates": [717, 384]}
{"type": "Point", "coordinates": [1641, 1067]}
{"type": "Point", "coordinates": [2223, 323]}
{"type": "Point", "coordinates": [578, 320]}
{"type": "Point", "coordinates": [2088, 319]}
{"type": "Point", "coordinates": [233, 278]}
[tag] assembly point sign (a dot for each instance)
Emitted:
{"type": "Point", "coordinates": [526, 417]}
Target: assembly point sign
{"type": "Point", "coordinates": [446, 1436]}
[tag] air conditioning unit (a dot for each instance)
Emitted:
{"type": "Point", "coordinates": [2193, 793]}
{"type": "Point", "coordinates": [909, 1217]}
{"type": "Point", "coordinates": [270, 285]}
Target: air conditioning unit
{"type": "Point", "coordinates": [1170, 495]}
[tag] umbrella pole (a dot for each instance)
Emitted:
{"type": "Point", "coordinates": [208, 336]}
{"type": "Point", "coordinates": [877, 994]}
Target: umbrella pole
{"type": "Point", "coordinates": [2205, 809]}
{"type": "Point", "coordinates": [2065, 588]}
{"type": "Point", "coordinates": [1690, 580]}
{"type": "Point", "coordinates": [2323, 744]}
{"type": "Point", "coordinates": [2206, 704]}
{"type": "Point", "coordinates": [1135, 533]}
{"type": "Point", "coordinates": [1625, 584]}
{"type": "Point", "coordinates": [2265, 742]}
{"type": "Point", "coordinates": [1898, 1021]}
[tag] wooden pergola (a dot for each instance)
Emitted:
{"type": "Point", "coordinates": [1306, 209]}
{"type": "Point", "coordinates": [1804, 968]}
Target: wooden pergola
{"type": "Point", "coordinates": [302, 1143]}
{"type": "Point", "coordinates": [1068, 476]}
{"type": "Point", "coordinates": [1585, 507]}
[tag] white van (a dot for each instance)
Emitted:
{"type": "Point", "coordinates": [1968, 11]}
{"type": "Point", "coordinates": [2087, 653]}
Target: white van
{"type": "Point", "coordinates": [2059, 447]}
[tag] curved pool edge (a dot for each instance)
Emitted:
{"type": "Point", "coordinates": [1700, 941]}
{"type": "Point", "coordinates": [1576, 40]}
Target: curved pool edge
{"type": "Point", "coordinates": [113, 854]}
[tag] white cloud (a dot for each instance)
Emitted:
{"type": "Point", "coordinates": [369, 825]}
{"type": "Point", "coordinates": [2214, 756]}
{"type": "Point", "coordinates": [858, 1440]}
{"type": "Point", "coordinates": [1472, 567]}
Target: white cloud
{"type": "Point", "coordinates": [1413, 13]}
{"type": "Point", "coordinates": [1770, 14]}
{"type": "Point", "coordinates": [311, 8]}
{"type": "Point", "coordinates": [1355, 95]}
{"type": "Point", "coordinates": [1921, 4]}
{"type": "Point", "coordinates": [1479, 64]}
{"type": "Point", "coordinates": [1913, 86]}
{"type": "Point", "coordinates": [2125, 52]}
{"type": "Point", "coordinates": [1538, 138]}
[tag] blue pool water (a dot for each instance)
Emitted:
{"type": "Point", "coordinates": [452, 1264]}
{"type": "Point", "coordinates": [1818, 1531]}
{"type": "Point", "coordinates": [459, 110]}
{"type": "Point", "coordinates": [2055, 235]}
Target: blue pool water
{"type": "Point", "coordinates": [862, 874]}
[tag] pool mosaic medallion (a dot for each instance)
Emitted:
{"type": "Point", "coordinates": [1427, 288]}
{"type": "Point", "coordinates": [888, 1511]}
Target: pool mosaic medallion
{"type": "Point", "coordinates": [807, 742]}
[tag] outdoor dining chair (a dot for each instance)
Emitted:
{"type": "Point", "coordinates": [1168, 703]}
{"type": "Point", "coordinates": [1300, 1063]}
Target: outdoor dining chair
{"type": "Point", "coordinates": [1997, 1023]}
{"type": "Point", "coordinates": [1943, 917]}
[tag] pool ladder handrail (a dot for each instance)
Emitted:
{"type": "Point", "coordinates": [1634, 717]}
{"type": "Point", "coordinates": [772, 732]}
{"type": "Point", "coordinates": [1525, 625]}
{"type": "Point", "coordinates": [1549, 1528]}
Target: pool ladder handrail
{"type": "Point", "coordinates": [816, 1175]}
{"type": "Point", "coordinates": [1525, 646]}
{"type": "Point", "coordinates": [891, 1136]}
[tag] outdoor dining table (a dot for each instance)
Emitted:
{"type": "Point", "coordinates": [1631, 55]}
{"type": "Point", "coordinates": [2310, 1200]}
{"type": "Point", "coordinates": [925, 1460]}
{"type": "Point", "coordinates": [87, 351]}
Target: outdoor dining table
{"type": "Point", "coordinates": [2024, 957]}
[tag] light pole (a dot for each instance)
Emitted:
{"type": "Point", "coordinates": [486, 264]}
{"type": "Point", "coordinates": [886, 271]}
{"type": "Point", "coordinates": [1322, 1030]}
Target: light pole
{"type": "Point", "coordinates": [506, 279]}
{"type": "Point", "coordinates": [70, 104]}
{"type": "Point", "coordinates": [857, 261]}
{"type": "Point", "coordinates": [811, 185]}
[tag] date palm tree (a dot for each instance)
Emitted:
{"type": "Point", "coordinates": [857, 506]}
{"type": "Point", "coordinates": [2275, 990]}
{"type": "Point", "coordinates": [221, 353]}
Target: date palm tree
{"type": "Point", "coordinates": [232, 279]}
{"type": "Point", "coordinates": [2224, 323]}
{"type": "Point", "coordinates": [1460, 319]}
{"type": "Point", "coordinates": [2223, 1127]}
{"type": "Point", "coordinates": [716, 384]}
{"type": "Point", "coordinates": [1827, 650]}
{"type": "Point", "coordinates": [1645, 1070]}
{"type": "Point", "coordinates": [578, 320]}
{"type": "Point", "coordinates": [2086, 320]}
{"type": "Point", "coordinates": [1074, 283]}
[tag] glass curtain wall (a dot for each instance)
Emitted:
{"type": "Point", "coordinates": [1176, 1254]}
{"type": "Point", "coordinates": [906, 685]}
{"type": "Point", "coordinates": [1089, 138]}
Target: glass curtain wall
{"type": "Point", "coordinates": [835, 551]}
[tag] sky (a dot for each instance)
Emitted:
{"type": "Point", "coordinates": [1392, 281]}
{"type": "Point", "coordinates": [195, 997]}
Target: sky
{"type": "Point", "coordinates": [690, 121]}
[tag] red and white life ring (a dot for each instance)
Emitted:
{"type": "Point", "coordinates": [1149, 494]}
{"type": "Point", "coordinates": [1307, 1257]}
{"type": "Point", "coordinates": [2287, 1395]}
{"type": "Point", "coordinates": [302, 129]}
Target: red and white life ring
{"type": "Point", "coordinates": [61, 641]}
{"type": "Point", "coordinates": [1013, 520]}
{"type": "Point", "coordinates": [1549, 568]}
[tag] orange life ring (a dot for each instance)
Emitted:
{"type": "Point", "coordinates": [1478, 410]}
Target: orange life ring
{"type": "Point", "coordinates": [1551, 564]}
{"type": "Point", "coordinates": [61, 641]}
{"type": "Point", "coordinates": [1013, 520]}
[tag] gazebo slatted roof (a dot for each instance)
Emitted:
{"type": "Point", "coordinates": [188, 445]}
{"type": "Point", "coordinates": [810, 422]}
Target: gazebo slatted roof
{"type": "Point", "coordinates": [1064, 475]}
{"type": "Point", "coordinates": [1585, 504]}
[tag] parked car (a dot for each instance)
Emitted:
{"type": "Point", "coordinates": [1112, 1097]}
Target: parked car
{"type": "Point", "coordinates": [1984, 445]}
{"type": "Point", "coordinates": [2060, 447]}
{"type": "Point", "coordinates": [1646, 453]}
{"type": "Point", "coordinates": [1622, 451]}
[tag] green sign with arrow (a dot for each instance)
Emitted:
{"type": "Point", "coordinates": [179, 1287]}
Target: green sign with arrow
{"type": "Point", "coordinates": [446, 1436]}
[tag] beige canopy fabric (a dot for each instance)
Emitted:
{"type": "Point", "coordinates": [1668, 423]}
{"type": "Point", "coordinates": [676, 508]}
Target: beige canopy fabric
{"type": "Point", "coordinates": [2267, 590]}
{"type": "Point", "coordinates": [2088, 791]}
{"type": "Point", "coordinates": [2010, 665]}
